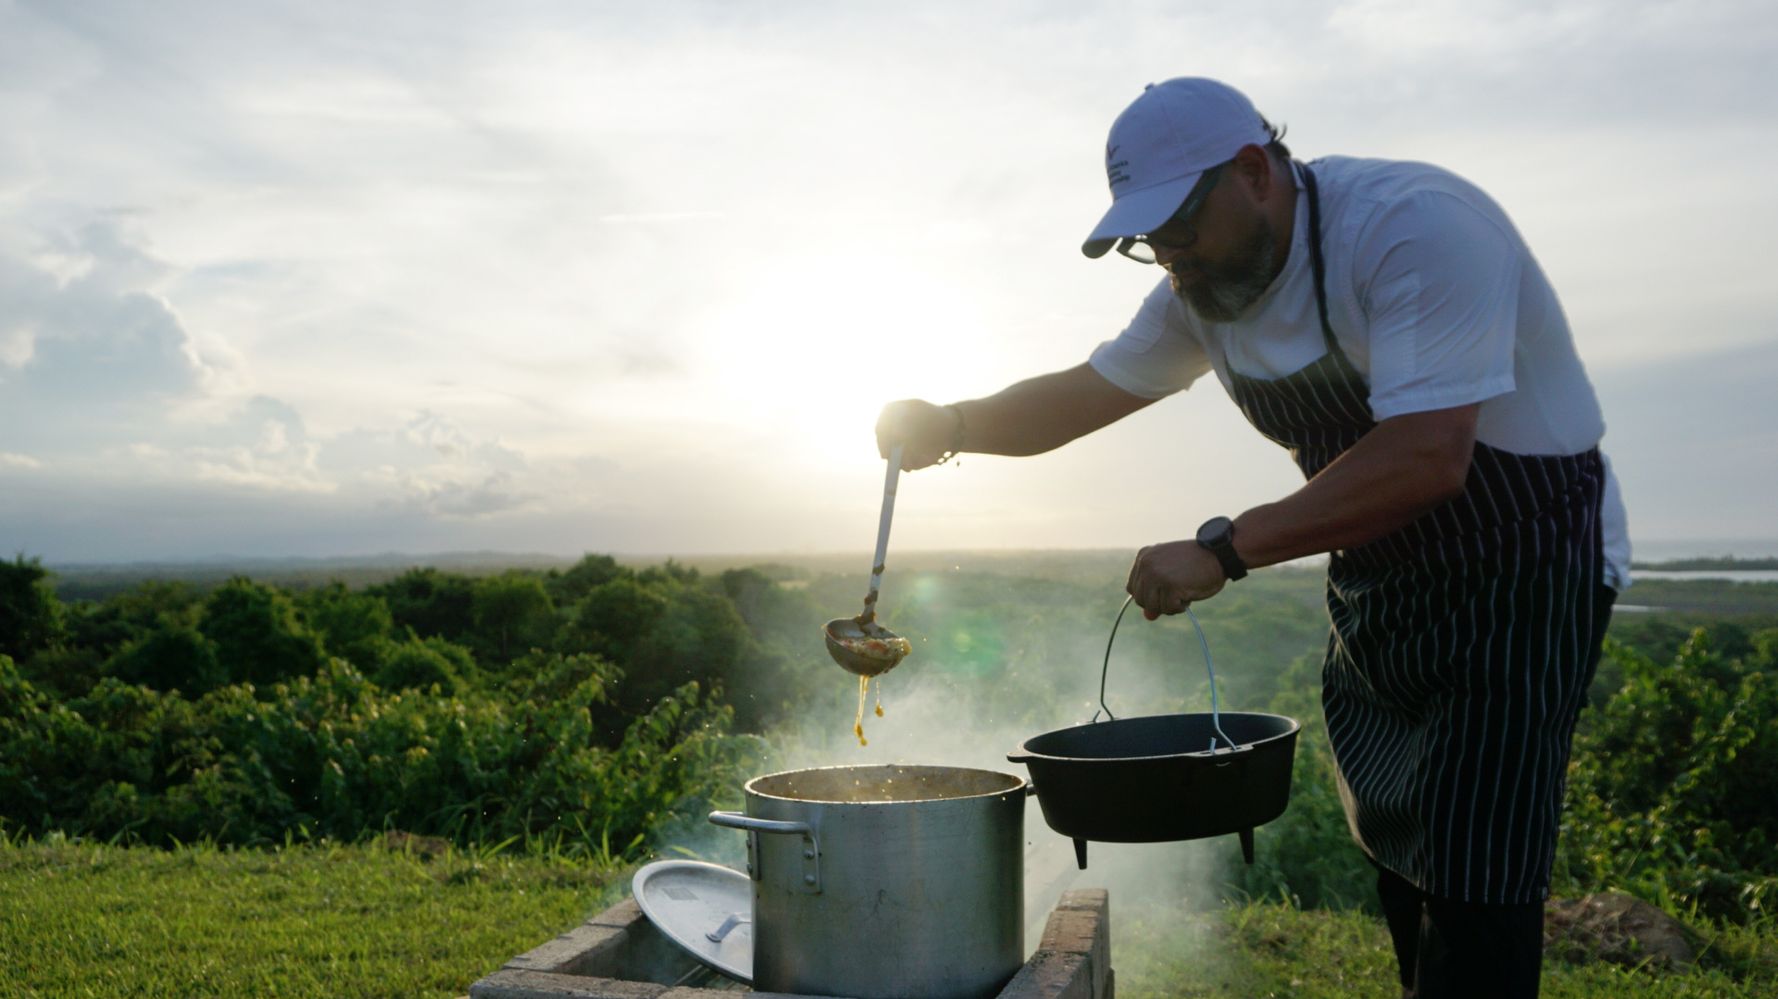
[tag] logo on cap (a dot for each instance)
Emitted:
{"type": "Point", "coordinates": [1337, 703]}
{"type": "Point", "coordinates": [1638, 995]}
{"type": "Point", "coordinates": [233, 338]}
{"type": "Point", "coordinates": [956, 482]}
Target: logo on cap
{"type": "Point", "coordinates": [1114, 169]}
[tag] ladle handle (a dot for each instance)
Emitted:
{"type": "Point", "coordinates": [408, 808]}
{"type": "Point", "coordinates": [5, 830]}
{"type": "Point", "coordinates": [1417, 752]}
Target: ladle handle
{"type": "Point", "coordinates": [876, 566]}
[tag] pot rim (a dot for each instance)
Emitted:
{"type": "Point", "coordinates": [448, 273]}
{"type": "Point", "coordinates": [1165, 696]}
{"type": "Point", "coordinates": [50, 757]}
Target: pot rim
{"type": "Point", "coordinates": [1024, 754]}
{"type": "Point", "coordinates": [1017, 785]}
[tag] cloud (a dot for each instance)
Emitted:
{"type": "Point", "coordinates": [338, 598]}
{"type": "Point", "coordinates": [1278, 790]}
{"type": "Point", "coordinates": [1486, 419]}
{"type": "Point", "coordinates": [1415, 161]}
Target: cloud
{"type": "Point", "coordinates": [97, 368]}
{"type": "Point", "coordinates": [94, 358]}
{"type": "Point", "coordinates": [493, 494]}
{"type": "Point", "coordinates": [432, 466]}
{"type": "Point", "coordinates": [424, 440]}
{"type": "Point", "coordinates": [263, 445]}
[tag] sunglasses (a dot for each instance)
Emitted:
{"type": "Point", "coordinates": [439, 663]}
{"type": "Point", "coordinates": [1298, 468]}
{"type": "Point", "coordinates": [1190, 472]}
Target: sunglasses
{"type": "Point", "coordinates": [1142, 248]}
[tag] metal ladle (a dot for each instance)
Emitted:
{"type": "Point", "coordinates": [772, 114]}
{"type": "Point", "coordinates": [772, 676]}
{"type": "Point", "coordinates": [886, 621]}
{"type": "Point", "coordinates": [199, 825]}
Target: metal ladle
{"type": "Point", "coordinates": [847, 636]}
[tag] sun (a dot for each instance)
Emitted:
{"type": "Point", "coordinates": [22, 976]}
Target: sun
{"type": "Point", "coordinates": [812, 351]}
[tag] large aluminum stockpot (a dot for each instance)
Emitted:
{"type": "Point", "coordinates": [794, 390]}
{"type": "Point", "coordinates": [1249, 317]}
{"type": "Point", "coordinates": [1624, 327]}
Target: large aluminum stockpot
{"type": "Point", "coordinates": [885, 881]}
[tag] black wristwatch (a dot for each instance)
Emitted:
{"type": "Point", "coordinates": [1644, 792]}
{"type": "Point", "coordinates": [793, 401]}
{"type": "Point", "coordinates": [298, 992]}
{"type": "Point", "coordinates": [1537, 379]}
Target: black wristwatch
{"type": "Point", "coordinates": [1217, 536]}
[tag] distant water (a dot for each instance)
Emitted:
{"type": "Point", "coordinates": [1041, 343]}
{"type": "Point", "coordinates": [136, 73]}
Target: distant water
{"type": "Point", "coordinates": [1666, 550]}
{"type": "Point", "coordinates": [1733, 575]}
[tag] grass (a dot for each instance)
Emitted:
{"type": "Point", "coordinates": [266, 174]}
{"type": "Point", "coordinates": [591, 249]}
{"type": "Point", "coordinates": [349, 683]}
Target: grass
{"type": "Point", "coordinates": [312, 920]}
{"type": "Point", "coordinates": [1268, 949]}
{"type": "Point", "coordinates": [366, 920]}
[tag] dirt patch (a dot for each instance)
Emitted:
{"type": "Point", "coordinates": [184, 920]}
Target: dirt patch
{"type": "Point", "coordinates": [424, 847]}
{"type": "Point", "coordinates": [1611, 926]}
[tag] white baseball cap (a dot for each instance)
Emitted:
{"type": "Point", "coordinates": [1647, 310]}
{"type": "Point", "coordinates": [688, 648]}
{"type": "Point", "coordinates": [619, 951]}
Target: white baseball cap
{"type": "Point", "coordinates": [1162, 144]}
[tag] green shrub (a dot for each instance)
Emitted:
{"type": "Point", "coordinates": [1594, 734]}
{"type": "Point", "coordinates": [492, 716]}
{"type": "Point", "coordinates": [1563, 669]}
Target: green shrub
{"type": "Point", "coordinates": [667, 628]}
{"type": "Point", "coordinates": [55, 757]}
{"type": "Point", "coordinates": [257, 634]}
{"type": "Point", "coordinates": [513, 612]}
{"type": "Point", "coordinates": [31, 617]}
{"type": "Point", "coordinates": [108, 626]}
{"type": "Point", "coordinates": [612, 618]}
{"type": "Point", "coordinates": [430, 602]}
{"type": "Point", "coordinates": [64, 671]}
{"type": "Point", "coordinates": [571, 585]}
{"type": "Point", "coordinates": [1673, 791]}
{"type": "Point", "coordinates": [353, 626]}
{"type": "Point", "coordinates": [174, 656]}
{"type": "Point", "coordinates": [422, 663]}
{"type": "Point", "coordinates": [334, 754]}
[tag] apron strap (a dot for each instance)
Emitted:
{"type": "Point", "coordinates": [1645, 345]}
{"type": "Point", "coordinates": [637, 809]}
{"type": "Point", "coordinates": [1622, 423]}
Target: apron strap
{"type": "Point", "coordinates": [1316, 262]}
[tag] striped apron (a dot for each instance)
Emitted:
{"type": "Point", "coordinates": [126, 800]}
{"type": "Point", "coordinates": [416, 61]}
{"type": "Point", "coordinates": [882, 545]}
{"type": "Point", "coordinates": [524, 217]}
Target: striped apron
{"type": "Point", "coordinates": [1462, 644]}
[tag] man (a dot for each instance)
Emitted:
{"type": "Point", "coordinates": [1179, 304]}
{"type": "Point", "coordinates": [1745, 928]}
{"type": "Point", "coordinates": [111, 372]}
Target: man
{"type": "Point", "coordinates": [1386, 323]}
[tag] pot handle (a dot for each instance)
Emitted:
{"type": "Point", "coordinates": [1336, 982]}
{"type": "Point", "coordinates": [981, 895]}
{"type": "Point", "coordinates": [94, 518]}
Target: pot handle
{"type": "Point", "coordinates": [1105, 670]}
{"type": "Point", "coordinates": [1215, 709]}
{"type": "Point", "coordinates": [736, 820]}
{"type": "Point", "coordinates": [811, 883]}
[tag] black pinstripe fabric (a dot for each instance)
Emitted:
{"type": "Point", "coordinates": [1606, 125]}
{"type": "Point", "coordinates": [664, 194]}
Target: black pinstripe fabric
{"type": "Point", "coordinates": [1461, 646]}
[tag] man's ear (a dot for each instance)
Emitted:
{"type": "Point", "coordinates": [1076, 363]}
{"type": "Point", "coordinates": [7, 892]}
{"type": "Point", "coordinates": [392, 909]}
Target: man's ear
{"type": "Point", "coordinates": [1257, 171]}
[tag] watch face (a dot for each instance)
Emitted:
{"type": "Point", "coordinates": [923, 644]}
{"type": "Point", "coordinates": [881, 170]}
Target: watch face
{"type": "Point", "coordinates": [1216, 531]}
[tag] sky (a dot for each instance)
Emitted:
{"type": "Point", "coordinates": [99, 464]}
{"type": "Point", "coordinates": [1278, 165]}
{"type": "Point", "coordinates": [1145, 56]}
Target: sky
{"type": "Point", "coordinates": [325, 279]}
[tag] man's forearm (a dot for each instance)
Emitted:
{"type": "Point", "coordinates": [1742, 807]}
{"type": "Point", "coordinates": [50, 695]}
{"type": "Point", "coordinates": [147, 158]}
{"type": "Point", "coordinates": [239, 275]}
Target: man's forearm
{"type": "Point", "coordinates": [1395, 473]}
{"type": "Point", "coordinates": [1043, 413]}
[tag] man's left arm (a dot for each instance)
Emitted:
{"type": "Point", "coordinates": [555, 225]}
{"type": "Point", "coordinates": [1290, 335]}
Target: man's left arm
{"type": "Point", "coordinates": [1403, 467]}
{"type": "Point", "coordinates": [1441, 298]}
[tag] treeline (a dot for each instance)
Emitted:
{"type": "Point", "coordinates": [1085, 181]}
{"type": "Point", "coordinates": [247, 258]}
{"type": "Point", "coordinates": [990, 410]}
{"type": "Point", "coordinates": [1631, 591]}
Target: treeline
{"type": "Point", "coordinates": [594, 707]}
{"type": "Point", "coordinates": [585, 706]}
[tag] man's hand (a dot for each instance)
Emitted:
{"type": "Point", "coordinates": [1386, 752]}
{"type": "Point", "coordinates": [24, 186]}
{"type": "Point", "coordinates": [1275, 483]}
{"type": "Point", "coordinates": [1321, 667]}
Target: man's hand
{"type": "Point", "coordinates": [1166, 578]}
{"type": "Point", "coordinates": [1029, 417]}
{"type": "Point", "coordinates": [924, 431]}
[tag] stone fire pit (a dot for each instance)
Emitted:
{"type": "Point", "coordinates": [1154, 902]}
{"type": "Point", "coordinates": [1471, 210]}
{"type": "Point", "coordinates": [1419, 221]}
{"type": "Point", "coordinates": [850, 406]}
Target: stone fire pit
{"type": "Point", "coordinates": [618, 954]}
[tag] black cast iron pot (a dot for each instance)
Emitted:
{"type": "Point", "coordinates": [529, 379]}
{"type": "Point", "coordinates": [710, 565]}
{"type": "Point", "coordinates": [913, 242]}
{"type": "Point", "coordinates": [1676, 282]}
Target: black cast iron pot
{"type": "Point", "coordinates": [1162, 777]}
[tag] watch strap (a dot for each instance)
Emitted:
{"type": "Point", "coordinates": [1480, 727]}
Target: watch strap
{"type": "Point", "coordinates": [1221, 543]}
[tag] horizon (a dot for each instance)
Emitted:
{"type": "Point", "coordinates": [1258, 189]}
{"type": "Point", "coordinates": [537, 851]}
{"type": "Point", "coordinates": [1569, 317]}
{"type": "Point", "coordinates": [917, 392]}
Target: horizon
{"type": "Point", "coordinates": [1664, 550]}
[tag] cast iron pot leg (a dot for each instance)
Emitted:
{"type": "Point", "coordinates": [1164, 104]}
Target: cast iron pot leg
{"type": "Point", "coordinates": [1080, 853]}
{"type": "Point", "coordinates": [1246, 845]}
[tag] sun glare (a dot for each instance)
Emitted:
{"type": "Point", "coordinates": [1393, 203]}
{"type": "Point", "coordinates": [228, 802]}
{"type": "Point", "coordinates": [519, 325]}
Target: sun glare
{"type": "Point", "coordinates": [813, 351]}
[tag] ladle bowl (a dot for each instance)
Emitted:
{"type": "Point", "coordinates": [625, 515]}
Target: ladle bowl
{"type": "Point", "coordinates": [855, 645]}
{"type": "Point", "coordinates": [859, 644]}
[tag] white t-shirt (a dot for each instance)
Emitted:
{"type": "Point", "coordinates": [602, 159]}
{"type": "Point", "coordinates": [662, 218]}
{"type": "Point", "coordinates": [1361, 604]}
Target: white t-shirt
{"type": "Point", "coordinates": [1433, 296]}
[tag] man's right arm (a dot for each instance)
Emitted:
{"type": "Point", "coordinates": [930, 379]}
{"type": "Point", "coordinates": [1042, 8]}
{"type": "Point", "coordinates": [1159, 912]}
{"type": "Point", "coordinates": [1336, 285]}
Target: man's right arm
{"type": "Point", "coordinates": [1033, 416]}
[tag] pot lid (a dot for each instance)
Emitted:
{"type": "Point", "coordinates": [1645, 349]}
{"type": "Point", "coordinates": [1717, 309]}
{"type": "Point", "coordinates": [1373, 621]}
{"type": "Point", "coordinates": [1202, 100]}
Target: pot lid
{"type": "Point", "coordinates": [706, 909]}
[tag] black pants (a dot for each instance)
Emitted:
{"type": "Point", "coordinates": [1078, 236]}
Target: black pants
{"type": "Point", "coordinates": [1455, 950]}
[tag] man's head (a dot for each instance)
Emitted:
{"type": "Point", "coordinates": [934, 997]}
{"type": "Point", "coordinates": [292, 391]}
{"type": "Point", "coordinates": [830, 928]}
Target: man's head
{"type": "Point", "coordinates": [1196, 176]}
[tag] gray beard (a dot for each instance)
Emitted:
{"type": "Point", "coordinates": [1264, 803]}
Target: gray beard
{"type": "Point", "coordinates": [1224, 292]}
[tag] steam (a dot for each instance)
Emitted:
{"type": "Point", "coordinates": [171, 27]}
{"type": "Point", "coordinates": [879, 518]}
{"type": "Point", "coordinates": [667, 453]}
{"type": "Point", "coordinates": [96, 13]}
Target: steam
{"type": "Point", "coordinates": [963, 712]}
{"type": "Point", "coordinates": [996, 661]}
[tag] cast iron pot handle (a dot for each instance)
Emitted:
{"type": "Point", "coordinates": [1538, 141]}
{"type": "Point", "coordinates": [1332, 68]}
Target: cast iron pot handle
{"type": "Point", "coordinates": [1215, 710]}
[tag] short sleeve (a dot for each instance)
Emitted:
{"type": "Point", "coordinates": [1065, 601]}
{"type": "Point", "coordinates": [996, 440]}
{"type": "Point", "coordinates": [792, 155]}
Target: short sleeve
{"type": "Point", "coordinates": [1442, 301]}
{"type": "Point", "coordinates": [1155, 355]}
